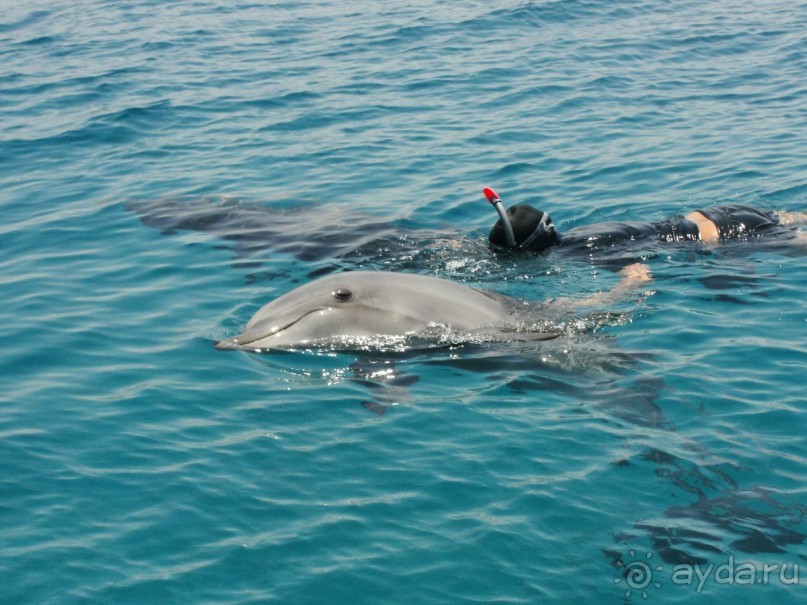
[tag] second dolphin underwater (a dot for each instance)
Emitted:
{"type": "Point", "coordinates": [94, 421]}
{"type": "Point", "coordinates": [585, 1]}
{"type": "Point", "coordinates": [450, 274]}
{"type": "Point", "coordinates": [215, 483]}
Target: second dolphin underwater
{"type": "Point", "coordinates": [339, 311]}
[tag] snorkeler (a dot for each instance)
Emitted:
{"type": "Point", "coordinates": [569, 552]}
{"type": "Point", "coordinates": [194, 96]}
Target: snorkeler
{"type": "Point", "coordinates": [523, 227]}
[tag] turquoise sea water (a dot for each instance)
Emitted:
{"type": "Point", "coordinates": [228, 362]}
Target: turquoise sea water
{"type": "Point", "coordinates": [167, 168]}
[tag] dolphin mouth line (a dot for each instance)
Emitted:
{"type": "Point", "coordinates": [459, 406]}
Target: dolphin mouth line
{"type": "Point", "coordinates": [236, 342]}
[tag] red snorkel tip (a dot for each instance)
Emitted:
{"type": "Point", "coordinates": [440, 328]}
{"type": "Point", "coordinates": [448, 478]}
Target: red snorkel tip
{"type": "Point", "coordinates": [492, 196]}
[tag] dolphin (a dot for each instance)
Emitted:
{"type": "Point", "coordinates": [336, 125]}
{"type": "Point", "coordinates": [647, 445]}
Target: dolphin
{"type": "Point", "coordinates": [343, 310]}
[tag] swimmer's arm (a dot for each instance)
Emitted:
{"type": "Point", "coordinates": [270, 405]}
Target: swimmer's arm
{"type": "Point", "coordinates": [633, 277]}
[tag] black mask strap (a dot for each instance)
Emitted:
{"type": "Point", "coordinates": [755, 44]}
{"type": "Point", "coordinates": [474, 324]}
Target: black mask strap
{"type": "Point", "coordinates": [544, 226]}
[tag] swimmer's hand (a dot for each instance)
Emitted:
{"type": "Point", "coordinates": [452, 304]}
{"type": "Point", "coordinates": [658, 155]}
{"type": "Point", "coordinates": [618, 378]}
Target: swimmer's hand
{"type": "Point", "coordinates": [635, 275]}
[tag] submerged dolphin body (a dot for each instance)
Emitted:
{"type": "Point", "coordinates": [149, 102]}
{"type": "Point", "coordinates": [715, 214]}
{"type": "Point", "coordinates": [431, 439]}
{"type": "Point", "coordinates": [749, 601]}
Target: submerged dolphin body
{"type": "Point", "coordinates": [340, 310]}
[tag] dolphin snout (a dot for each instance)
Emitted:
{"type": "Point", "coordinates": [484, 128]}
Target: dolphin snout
{"type": "Point", "coordinates": [246, 338]}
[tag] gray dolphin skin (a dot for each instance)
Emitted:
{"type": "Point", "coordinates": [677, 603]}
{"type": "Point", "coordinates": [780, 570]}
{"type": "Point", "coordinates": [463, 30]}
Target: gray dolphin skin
{"type": "Point", "coordinates": [342, 308]}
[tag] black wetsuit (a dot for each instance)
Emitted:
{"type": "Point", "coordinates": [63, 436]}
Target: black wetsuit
{"type": "Point", "coordinates": [733, 222]}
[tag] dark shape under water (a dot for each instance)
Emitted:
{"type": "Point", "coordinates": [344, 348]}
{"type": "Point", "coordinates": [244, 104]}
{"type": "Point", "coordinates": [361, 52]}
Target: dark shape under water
{"type": "Point", "coordinates": [744, 520]}
{"type": "Point", "coordinates": [310, 234]}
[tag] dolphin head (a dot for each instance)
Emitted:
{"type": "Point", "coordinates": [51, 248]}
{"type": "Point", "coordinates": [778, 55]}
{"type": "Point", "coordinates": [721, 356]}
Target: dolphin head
{"type": "Point", "coordinates": [348, 306]}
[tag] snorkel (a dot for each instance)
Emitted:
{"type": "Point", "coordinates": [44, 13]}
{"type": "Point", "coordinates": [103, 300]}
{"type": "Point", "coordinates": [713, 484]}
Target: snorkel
{"type": "Point", "coordinates": [494, 199]}
{"type": "Point", "coordinates": [521, 227]}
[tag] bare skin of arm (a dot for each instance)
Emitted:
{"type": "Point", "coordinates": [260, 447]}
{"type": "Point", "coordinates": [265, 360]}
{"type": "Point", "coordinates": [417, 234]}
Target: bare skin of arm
{"type": "Point", "coordinates": [792, 218]}
{"type": "Point", "coordinates": [707, 228]}
{"type": "Point", "coordinates": [633, 277]}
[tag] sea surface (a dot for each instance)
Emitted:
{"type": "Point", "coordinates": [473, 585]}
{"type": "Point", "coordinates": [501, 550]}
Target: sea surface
{"type": "Point", "coordinates": [168, 167]}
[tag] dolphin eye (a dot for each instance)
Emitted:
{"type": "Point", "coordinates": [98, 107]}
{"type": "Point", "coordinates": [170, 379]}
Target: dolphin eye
{"type": "Point", "coordinates": [342, 294]}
